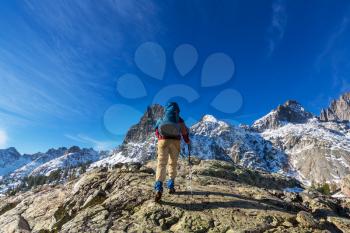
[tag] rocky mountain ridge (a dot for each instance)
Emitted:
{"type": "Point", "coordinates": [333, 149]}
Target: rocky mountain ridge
{"type": "Point", "coordinates": [225, 198]}
{"type": "Point", "coordinates": [339, 110]}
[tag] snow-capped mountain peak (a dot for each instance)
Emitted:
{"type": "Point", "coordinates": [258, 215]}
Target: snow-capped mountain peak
{"type": "Point", "coordinates": [209, 118]}
{"type": "Point", "coordinates": [295, 106]}
{"type": "Point", "coordinates": [290, 112]}
{"type": "Point", "coordinates": [209, 125]}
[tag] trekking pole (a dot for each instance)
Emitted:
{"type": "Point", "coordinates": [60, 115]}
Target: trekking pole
{"type": "Point", "coordinates": [189, 169]}
{"type": "Point", "coordinates": [189, 154]}
{"type": "Point", "coordinates": [155, 143]}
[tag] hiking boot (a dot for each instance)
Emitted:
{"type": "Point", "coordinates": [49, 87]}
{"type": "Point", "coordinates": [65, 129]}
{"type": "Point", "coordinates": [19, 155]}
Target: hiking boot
{"type": "Point", "coordinates": [172, 190]}
{"type": "Point", "coordinates": [171, 186]}
{"type": "Point", "coordinates": [158, 196]}
{"type": "Point", "coordinates": [158, 186]}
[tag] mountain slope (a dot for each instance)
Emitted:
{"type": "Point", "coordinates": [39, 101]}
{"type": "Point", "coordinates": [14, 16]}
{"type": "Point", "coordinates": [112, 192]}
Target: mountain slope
{"type": "Point", "coordinates": [72, 157]}
{"type": "Point", "coordinates": [318, 151]}
{"type": "Point", "coordinates": [37, 160]}
{"type": "Point", "coordinates": [214, 139]}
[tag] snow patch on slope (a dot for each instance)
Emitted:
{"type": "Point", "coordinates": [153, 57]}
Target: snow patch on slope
{"type": "Point", "coordinates": [113, 159]}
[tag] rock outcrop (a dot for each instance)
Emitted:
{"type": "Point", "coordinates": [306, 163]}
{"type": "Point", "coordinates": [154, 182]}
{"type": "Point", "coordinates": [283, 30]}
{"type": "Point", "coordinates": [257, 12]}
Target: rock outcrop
{"type": "Point", "coordinates": [339, 110]}
{"type": "Point", "coordinates": [225, 198]}
{"type": "Point", "coordinates": [345, 185]}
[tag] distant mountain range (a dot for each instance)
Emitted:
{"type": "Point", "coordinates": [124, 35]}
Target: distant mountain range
{"type": "Point", "coordinates": [14, 166]}
{"type": "Point", "coordinates": [289, 140]}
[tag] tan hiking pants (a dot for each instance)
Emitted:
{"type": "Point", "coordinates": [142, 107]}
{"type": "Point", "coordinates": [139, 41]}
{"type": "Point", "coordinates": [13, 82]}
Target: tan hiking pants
{"type": "Point", "coordinates": [168, 150]}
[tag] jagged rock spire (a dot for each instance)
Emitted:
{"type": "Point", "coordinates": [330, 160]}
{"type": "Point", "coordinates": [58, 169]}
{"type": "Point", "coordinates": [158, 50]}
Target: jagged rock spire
{"type": "Point", "coordinates": [339, 110]}
{"type": "Point", "coordinates": [144, 128]}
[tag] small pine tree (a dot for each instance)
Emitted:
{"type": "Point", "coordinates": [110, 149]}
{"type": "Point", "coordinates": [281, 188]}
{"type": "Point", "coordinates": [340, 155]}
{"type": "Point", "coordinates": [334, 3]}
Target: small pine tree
{"type": "Point", "coordinates": [11, 192]}
{"type": "Point", "coordinates": [65, 174]}
{"type": "Point", "coordinates": [55, 175]}
{"type": "Point", "coordinates": [324, 188]}
{"type": "Point", "coordinates": [83, 169]}
{"type": "Point", "coordinates": [72, 175]}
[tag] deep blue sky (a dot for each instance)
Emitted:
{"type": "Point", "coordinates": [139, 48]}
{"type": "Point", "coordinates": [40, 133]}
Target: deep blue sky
{"type": "Point", "coordinates": [61, 63]}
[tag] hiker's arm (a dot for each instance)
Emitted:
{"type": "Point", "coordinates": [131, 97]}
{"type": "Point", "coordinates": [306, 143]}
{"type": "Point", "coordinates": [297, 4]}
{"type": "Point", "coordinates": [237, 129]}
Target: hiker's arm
{"type": "Point", "coordinates": [184, 131]}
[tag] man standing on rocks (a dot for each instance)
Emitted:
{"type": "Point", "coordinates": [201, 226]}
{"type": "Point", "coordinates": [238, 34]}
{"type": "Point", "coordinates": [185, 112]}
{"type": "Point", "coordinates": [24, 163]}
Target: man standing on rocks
{"type": "Point", "coordinates": [169, 130]}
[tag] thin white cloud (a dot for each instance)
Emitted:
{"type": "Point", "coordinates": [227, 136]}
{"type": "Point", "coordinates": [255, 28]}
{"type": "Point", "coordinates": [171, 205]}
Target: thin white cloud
{"type": "Point", "coordinates": [74, 138]}
{"type": "Point", "coordinates": [335, 56]}
{"type": "Point", "coordinates": [277, 27]}
{"type": "Point", "coordinates": [54, 72]}
{"type": "Point", "coordinates": [3, 138]}
{"type": "Point", "coordinates": [332, 42]}
{"type": "Point", "coordinates": [96, 144]}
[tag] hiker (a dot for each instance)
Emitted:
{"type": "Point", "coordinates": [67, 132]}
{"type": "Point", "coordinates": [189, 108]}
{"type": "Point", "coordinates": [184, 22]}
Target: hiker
{"type": "Point", "coordinates": [169, 130]}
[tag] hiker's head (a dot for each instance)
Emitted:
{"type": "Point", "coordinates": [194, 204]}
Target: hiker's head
{"type": "Point", "coordinates": [172, 107]}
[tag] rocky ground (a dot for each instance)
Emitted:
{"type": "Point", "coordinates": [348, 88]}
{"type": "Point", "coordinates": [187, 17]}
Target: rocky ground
{"type": "Point", "coordinates": [225, 198]}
